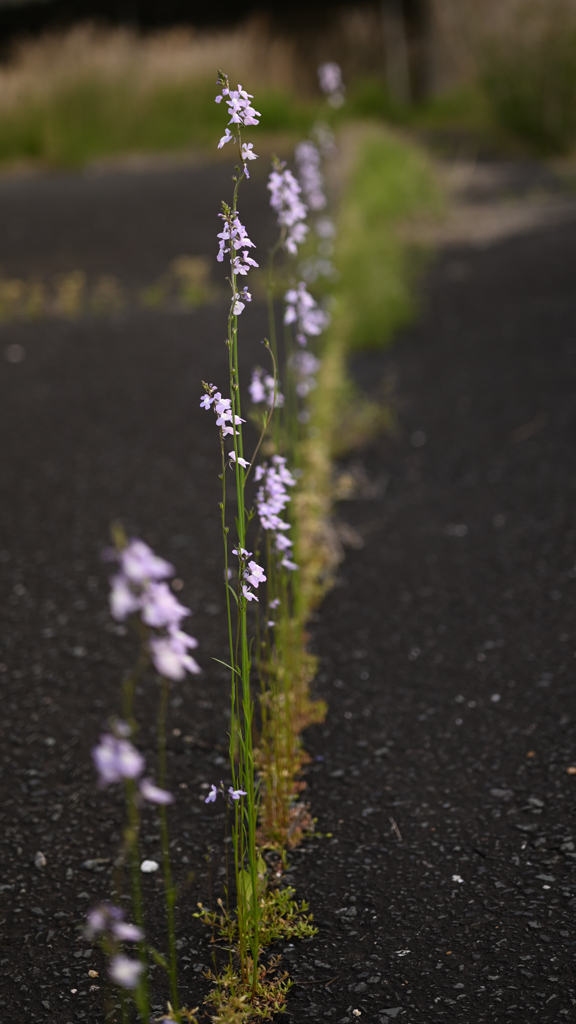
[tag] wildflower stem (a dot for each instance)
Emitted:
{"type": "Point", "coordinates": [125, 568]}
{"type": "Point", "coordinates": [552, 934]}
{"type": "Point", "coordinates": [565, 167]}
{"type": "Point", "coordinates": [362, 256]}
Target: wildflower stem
{"type": "Point", "coordinates": [132, 833]}
{"type": "Point", "coordinates": [168, 884]}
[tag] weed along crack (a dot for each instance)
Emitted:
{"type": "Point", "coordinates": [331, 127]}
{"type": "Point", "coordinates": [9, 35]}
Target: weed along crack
{"type": "Point", "coordinates": [287, 636]}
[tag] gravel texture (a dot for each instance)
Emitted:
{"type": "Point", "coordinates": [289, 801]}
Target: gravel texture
{"type": "Point", "coordinates": [443, 885]}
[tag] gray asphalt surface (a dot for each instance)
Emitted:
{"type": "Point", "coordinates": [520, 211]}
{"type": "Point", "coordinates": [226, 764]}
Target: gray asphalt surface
{"type": "Point", "coordinates": [446, 890]}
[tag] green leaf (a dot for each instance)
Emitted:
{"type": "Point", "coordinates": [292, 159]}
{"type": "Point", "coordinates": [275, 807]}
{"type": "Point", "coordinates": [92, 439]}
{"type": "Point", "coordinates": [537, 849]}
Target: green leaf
{"type": "Point", "coordinates": [158, 958]}
{"type": "Point", "coordinates": [226, 665]}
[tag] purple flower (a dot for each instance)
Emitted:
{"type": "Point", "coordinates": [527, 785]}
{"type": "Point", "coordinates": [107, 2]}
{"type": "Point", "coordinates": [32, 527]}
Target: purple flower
{"type": "Point", "coordinates": [261, 389]}
{"type": "Point", "coordinates": [139, 563]}
{"type": "Point", "coordinates": [255, 575]}
{"type": "Point", "coordinates": [235, 794]}
{"type": "Point", "coordinates": [285, 200]}
{"type": "Point", "coordinates": [227, 137]}
{"type": "Point", "coordinates": [210, 799]}
{"type": "Point", "coordinates": [116, 759]}
{"type": "Point", "coordinates": [305, 366]}
{"type": "Point", "coordinates": [127, 932]}
{"type": "Point", "coordinates": [154, 794]}
{"type": "Point", "coordinates": [239, 108]}
{"type": "Point", "coordinates": [248, 154]}
{"type": "Point", "coordinates": [234, 237]}
{"type": "Point", "coordinates": [102, 918]}
{"type": "Point", "coordinates": [248, 594]}
{"type": "Point", "coordinates": [124, 971]}
{"type": "Point", "coordinates": [170, 657]}
{"type": "Point", "coordinates": [123, 600]}
{"type": "Point", "coordinates": [271, 499]}
{"type": "Point", "coordinates": [160, 607]}
{"type": "Point", "coordinates": [311, 180]}
{"type": "Point", "coordinates": [239, 460]}
{"type": "Point", "coordinates": [303, 310]}
{"type": "Point", "coordinates": [331, 84]}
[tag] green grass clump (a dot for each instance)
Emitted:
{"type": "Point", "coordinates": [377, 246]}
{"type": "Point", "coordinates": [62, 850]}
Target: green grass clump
{"type": "Point", "coordinates": [96, 117]}
{"type": "Point", "coordinates": [393, 181]}
{"type": "Point", "coordinates": [530, 83]}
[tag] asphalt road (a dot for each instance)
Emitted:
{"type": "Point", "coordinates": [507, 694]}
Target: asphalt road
{"type": "Point", "coordinates": [445, 889]}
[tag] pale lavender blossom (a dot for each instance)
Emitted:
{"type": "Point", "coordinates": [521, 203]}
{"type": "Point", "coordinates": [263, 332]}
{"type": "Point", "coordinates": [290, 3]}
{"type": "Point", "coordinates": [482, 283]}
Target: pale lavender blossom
{"type": "Point", "coordinates": [237, 100]}
{"type": "Point", "coordinates": [139, 587]}
{"type": "Point", "coordinates": [233, 237]}
{"type": "Point", "coordinates": [305, 366]}
{"type": "Point", "coordinates": [123, 600]}
{"type": "Point", "coordinates": [127, 932]}
{"type": "Point", "coordinates": [242, 553]}
{"type": "Point", "coordinates": [160, 607]}
{"type": "Point", "coordinates": [237, 303]}
{"type": "Point", "coordinates": [230, 793]}
{"type": "Point", "coordinates": [235, 794]}
{"type": "Point", "coordinates": [247, 153]}
{"type": "Point", "coordinates": [254, 574]}
{"type": "Point", "coordinates": [139, 563]}
{"type": "Point", "coordinates": [262, 388]}
{"type": "Point", "coordinates": [241, 462]}
{"type": "Point", "coordinates": [271, 500]}
{"type": "Point", "coordinates": [170, 654]}
{"type": "Point", "coordinates": [102, 918]}
{"type": "Point", "coordinates": [303, 311]}
{"type": "Point", "coordinates": [285, 200]}
{"type": "Point", "coordinates": [116, 759]}
{"type": "Point", "coordinates": [154, 794]}
{"type": "Point", "coordinates": [124, 971]}
{"type": "Point", "coordinates": [309, 172]}
{"type": "Point", "coordinates": [251, 574]}
{"type": "Point", "coordinates": [331, 83]}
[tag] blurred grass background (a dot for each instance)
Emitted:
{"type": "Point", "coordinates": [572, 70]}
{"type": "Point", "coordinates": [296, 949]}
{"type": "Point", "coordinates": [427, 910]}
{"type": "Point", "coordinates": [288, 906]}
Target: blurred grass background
{"type": "Point", "coordinates": [87, 92]}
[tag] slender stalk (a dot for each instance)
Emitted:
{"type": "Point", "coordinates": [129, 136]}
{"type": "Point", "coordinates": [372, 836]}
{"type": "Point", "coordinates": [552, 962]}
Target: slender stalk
{"type": "Point", "coordinates": [132, 833]}
{"type": "Point", "coordinates": [169, 887]}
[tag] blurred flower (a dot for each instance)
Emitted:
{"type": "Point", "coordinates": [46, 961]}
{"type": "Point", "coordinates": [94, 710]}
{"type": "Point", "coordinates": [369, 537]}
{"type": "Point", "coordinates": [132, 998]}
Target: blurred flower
{"type": "Point", "coordinates": [331, 83]}
{"type": "Point", "coordinates": [285, 200]}
{"type": "Point", "coordinates": [124, 971]}
{"type": "Point", "coordinates": [116, 759]}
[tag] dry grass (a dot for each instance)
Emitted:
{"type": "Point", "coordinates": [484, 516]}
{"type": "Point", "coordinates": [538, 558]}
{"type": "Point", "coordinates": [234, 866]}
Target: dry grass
{"type": "Point", "coordinates": [55, 61]}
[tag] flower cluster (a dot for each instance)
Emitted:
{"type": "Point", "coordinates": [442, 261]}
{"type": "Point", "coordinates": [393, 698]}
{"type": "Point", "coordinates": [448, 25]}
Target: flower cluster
{"type": "Point", "coordinates": [139, 588]}
{"type": "Point", "coordinates": [240, 109]}
{"type": "Point", "coordinates": [229, 794]}
{"type": "Point", "coordinates": [222, 408]}
{"type": "Point", "coordinates": [311, 179]}
{"type": "Point", "coordinates": [304, 311]}
{"type": "Point", "coordinates": [224, 417]}
{"type": "Point", "coordinates": [285, 200]}
{"type": "Point", "coordinates": [331, 84]}
{"type": "Point", "coordinates": [271, 499]}
{"type": "Point", "coordinates": [108, 920]}
{"type": "Point", "coordinates": [262, 387]}
{"type": "Point", "coordinates": [305, 366]}
{"type": "Point", "coordinates": [234, 238]}
{"type": "Point", "coordinates": [116, 759]}
{"type": "Point", "coordinates": [251, 574]}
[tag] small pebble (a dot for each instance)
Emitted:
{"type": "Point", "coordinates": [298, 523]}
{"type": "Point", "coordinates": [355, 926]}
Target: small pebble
{"type": "Point", "coordinates": [148, 866]}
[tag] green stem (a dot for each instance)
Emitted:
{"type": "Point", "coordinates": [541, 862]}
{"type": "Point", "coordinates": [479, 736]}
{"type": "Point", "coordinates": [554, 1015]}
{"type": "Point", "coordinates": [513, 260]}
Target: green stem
{"type": "Point", "coordinates": [169, 888]}
{"type": "Point", "coordinates": [132, 833]}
